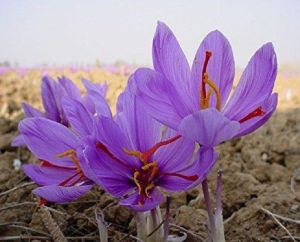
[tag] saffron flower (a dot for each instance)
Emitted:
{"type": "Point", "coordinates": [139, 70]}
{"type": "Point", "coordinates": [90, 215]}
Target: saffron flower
{"type": "Point", "coordinates": [134, 158]}
{"type": "Point", "coordinates": [59, 174]}
{"type": "Point", "coordinates": [196, 101]}
{"type": "Point", "coordinates": [53, 94]}
{"type": "Point", "coordinates": [59, 147]}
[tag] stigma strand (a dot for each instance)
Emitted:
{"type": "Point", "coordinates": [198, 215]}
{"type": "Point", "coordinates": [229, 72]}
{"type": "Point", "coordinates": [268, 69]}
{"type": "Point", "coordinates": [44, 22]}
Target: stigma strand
{"type": "Point", "coordinates": [256, 113]}
{"type": "Point", "coordinates": [205, 96]}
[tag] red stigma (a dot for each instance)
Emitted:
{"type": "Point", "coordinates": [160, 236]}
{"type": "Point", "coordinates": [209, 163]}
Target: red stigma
{"type": "Point", "coordinates": [189, 178]}
{"type": "Point", "coordinates": [65, 182]}
{"type": "Point", "coordinates": [103, 148]}
{"type": "Point", "coordinates": [48, 164]}
{"type": "Point", "coordinates": [208, 54]}
{"type": "Point", "coordinates": [256, 113]}
{"type": "Point", "coordinates": [43, 202]}
{"type": "Point", "coordinates": [147, 154]}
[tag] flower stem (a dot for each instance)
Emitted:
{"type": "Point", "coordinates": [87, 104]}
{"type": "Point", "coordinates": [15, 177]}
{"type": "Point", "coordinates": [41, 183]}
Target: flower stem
{"type": "Point", "coordinates": [167, 218]}
{"type": "Point", "coordinates": [212, 227]}
{"type": "Point", "coordinates": [155, 224]}
{"type": "Point", "coordinates": [141, 225]}
{"type": "Point", "coordinates": [219, 235]}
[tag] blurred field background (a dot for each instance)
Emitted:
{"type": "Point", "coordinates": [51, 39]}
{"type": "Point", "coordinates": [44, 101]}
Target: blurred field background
{"type": "Point", "coordinates": [23, 84]}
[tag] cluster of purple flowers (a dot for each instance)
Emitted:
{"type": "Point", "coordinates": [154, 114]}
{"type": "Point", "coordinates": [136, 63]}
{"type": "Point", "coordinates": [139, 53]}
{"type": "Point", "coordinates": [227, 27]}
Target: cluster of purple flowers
{"type": "Point", "coordinates": [149, 145]}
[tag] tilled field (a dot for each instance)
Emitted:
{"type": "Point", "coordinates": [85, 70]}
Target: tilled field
{"type": "Point", "coordinates": [261, 177]}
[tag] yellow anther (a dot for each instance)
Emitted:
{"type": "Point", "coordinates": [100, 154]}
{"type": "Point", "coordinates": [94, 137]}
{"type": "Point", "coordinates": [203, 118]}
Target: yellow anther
{"type": "Point", "coordinates": [154, 171]}
{"type": "Point", "coordinates": [73, 157]}
{"type": "Point", "coordinates": [204, 101]}
{"type": "Point", "coordinates": [148, 188]}
{"type": "Point", "coordinates": [136, 174]}
{"type": "Point", "coordinates": [149, 165]}
{"type": "Point", "coordinates": [208, 94]}
{"type": "Point", "coordinates": [137, 154]}
{"type": "Point", "coordinates": [216, 91]}
{"type": "Point", "coordinates": [66, 153]}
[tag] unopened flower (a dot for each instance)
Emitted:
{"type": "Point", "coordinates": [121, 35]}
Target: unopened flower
{"type": "Point", "coordinates": [196, 101]}
{"type": "Point", "coordinates": [134, 158]}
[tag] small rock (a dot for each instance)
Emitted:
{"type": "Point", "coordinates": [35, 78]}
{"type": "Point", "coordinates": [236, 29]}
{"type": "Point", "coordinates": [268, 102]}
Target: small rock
{"type": "Point", "coordinates": [191, 218]}
{"type": "Point", "coordinates": [117, 213]}
{"type": "Point", "coordinates": [5, 141]}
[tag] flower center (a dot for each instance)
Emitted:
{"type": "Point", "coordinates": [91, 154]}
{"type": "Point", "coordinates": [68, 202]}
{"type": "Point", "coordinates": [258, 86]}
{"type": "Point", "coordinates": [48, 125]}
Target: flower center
{"type": "Point", "coordinates": [145, 177]}
{"type": "Point", "coordinates": [72, 180]}
{"type": "Point", "coordinates": [205, 96]}
{"type": "Point", "coordinates": [78, 176]}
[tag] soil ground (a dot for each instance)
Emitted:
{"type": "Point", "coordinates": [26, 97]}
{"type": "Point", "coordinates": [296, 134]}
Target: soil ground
{"type": "Point", "coordinates": [260, 172]}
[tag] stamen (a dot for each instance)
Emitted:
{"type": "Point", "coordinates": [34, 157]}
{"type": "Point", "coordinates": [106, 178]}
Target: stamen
{"type": "Point", "coordinates": [216, 91]}
{"type": "Point", "coordinates": [148, 188]}
{"type": "Point", "coordinates": [205, 97]}
{"type": "Point", "coordinates": [65, 153]}
{"type": "Point", "coordinates": [209, 94]}
{"type": "Point", "coordinates": [144, 156]}
{"type": "Point", "coordinates": [257, 112]}
{"type": "Point", "coordinates": [149, 165]}
{"type": "Point", "coordinates": [136, 181]}
{"type": "Point", "coordinates": [137, 154]}
{"type": "Point", "coordinates": [72, 155]}
{"type": "Point", "coordinates": [154, 171]}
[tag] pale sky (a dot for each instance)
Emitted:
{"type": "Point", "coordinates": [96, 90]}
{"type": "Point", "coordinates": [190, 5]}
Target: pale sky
{"type": "Point", "coordinates": [65, 32]}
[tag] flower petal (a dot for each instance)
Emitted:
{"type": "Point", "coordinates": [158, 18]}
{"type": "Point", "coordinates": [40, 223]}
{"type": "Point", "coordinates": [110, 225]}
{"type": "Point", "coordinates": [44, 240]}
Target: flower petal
{"type": "Point", "coordinates": [97, 104]}
{"type": "Point", "coordinates": [47, 175]}
{"type": "Point", "coordinates": [159, 97]}
{"type": "Point", "coordinates": [141, 129]}
{"type": "Point", "coordinates": [132, 201]}
{"type": "Point", "coordinates": [170, 61]}
{"type": "Point", "coordinates": [60, 194]}
{"type": "Point", "coordinates": [99, 88]}
{"type": "Point", "coordinates": [208, 127]}
{"type": "Point", "coordinates": [255, 85]}
{"type": "Point", "coordinates": [269, 105]}
{"type": "Point", "coordinates": [174, 156]}
{"type": "Point", "coordinates": [220, 68]}
{"type": "Point", "coordinates": [18, 141]}
{"type": "Point", "coordinates": [78, 117]}
{"type": "Point", "coordinates": [108, 132]}
{"type": "Point", "coordinates": [31, 111]}
{"type": "Point", "coordinates": [201, 166]}
{"type": "Point", "coordinates": [70, 88]}
{"type": "Point", "coordinates": [46, 139]}
{"type": "Point", "coordinates": [52, 93]}
{"type": "Point", "coordinates": [106, 172]}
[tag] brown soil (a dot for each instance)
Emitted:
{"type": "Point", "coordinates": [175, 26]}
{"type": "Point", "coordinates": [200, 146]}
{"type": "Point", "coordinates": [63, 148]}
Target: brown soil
{"type": "Point", "coordinates": [257, 173]}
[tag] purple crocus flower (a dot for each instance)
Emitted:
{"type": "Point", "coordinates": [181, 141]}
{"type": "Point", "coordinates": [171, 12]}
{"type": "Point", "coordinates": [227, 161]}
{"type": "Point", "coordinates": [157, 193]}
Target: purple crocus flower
{"type": "Point", "coordinates": [59, 174]}
{"type": "Point", "coordinates": [53, 94]}
{"type": "Point", "coordinates": [134, 158]}
{"type": "Point", "coordinates": [196, 101]}
{"type": "Point", "coordinates": [59, 148]}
